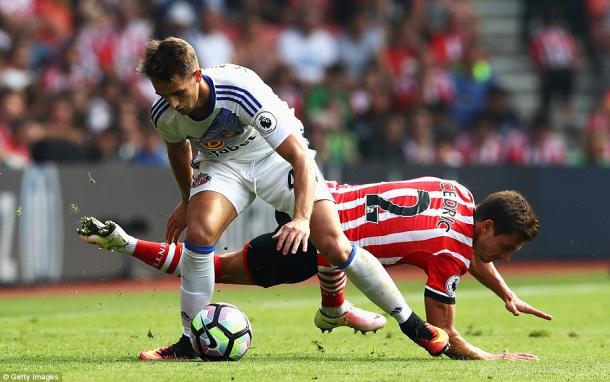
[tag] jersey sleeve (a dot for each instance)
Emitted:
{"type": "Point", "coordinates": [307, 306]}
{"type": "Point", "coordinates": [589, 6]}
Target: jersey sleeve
{"type": "Point", "coordinates": [160, 117]}
{"type": "Point", "coordinates": [444, 273]}
{"type": "Point", "coordinates": [264, 110]}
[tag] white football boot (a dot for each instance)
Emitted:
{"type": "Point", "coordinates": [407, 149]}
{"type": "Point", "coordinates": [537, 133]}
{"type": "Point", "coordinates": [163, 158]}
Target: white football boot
{"type": "Point", "coordinates": [108, 235]}
{"type": "Point", "coordinates": [355, 318]}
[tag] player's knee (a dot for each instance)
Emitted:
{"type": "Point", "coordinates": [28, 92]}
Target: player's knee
{"type": "Point", "coordinates": [335, 248]}
{"type": "Point", "coordinates": [201, 233]}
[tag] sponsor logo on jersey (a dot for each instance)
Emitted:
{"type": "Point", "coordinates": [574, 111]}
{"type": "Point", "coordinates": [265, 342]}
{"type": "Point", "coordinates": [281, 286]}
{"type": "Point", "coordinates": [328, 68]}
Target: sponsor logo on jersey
{"type": "Point", "coordinates": [213, 144]}
{"type": "Point", "coordinates": [229, 149]}
{"type": "Point", "coordinates": [199, 179]}
{"type": "Point", "coordinates": [266, 122]}
{"type": "Point", "coordinates": [451, 285]}
{"type": "Point", "coordinates": [226, 125]}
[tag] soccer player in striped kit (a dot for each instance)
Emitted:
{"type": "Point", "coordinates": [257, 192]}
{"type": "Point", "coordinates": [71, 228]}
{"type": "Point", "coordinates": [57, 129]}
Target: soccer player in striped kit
{"type": "Point", "coordinates": [427, 222]}
{"type": "Point", "coordinates": [250, 144]}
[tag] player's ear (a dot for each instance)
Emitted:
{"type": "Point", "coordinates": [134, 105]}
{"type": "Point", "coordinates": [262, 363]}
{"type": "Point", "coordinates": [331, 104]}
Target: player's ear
{"type": "Point", "coordinates": [489, 226]}
{"type": "Point", "coordinates": [197, 74]}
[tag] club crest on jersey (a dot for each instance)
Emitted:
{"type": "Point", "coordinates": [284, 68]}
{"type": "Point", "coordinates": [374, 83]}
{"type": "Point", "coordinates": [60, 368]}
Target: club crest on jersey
{"type": "Point", "coordinates": [199, 179]}
{"type": "Point", "coordinates": [451, 285]}
{"type": "Point", "coordinates": [266, 122]}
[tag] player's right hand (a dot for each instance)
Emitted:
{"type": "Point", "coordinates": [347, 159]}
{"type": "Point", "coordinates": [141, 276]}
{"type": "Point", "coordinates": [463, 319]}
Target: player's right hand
{"type": "Point", "coordinates": [292, 235]}
{"type": "Point", "coordinates": [506, 356]}
{"type": "Point", "coordinates": [176, 223]}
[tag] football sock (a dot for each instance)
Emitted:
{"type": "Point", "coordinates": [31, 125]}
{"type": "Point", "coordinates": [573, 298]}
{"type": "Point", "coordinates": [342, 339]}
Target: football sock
{"type": "Point", "coordinates": [162, 256]}
{"type": "Point", "coordinates": [414, 328]}
{"type": "Point", "coordinates": [190, 304]}
{"type": "Point", "coordinates": [197, 270]}
{"type": "Point", "coordinates": [332, 285]}
{"type": "Point", "coordinates": [368, 275]}
{"type": "Point", "coordinates": [130, 247]}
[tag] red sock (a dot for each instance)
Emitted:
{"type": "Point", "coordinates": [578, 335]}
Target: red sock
{"type": "Point", "coordinates": [162, 256]}
{"type": "Point", "coordinates": [157, 255]}
{"type": "Point", "coordinates": [332, 284]}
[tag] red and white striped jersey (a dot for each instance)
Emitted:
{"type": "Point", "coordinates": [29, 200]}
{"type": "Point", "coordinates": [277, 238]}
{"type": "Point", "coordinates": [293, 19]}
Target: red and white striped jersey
{"type": "Point", "coordinates": [426, 222]}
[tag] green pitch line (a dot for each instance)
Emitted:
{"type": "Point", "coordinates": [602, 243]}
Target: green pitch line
{"type": "Point", "coordinates": [99, 336]}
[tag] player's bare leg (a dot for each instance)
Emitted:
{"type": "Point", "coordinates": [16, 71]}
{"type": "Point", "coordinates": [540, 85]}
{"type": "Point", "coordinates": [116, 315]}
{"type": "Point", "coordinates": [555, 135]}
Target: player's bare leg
{"type": "Point", "coordinates": [368, 275]}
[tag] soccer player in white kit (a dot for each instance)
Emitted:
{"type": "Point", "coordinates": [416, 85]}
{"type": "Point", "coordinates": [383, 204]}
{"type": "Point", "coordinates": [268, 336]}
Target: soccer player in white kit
{"type": "Point", "coordinates": [249, 144]}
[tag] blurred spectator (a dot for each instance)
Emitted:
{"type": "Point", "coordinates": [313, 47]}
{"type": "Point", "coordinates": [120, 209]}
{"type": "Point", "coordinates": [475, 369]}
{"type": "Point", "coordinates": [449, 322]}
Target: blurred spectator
{"type": "Point", "coordinates": [597, 135]}
{"type": "Point", "coordinates": [420, 146]}
{"type": "Point", "coordinates": [14, 151]}
{"type": "Point", "coordinates": [213, 46]}
{"type": "Point", "coordinates": [287, 87]}
{"type": "Point", "coordinates": [452, 27]}
{"type": "Point", "coordinates": [62, 141]}
{"type": "Point", "coordinates": [335, 144]}
{"type": "Point", "coordinates": [447, 153]}
{"type": "Point", "coordinates": [334, 90]}
{"type": "Point", "coordinates": [133, 34]}
{"type": "Point", "coordinates": [389, 141]}
{"type": "Point", "coordinates": [369, 126]}
{"type": "Point", "coordinates": [555, 54]}
{"type": "Point", "coordinates": [437, 87]}
{"type": "Point", "coordinates": [67, 71]}
{"type": "Point", "coordinates": [152, 152]}
{"type": "Point", "coordinates": [500, 111]}
{"type": "Point", "coordinates": [16, 73]}
{"type": "Point", "coordinates": [306, 47]}
{"type": "Point", "coordinates": [599, 28]}
{"type": "Point", "coordinates": [255, 34]}
{"type": "Point", "coordinates": [359, 44]}
{"type": "Point", "coordinates": [482, 145]}
{"type": "Point", "coordinates": [473, 77]}
{"type": "Point", "coordinates": [540, 147]}
{"type": "Point", "coordinates": [400, 61]}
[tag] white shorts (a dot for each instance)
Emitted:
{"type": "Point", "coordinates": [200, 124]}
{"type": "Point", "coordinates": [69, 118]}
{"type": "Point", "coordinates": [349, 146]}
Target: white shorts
{"type": "Point", "coordinates": [270, 178]}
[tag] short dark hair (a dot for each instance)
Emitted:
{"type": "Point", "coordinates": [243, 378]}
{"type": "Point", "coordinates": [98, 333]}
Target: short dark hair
{"type": "Point", "coordinates": [168, 57]}
{"type": "Point", "coordinates": [511, 213]}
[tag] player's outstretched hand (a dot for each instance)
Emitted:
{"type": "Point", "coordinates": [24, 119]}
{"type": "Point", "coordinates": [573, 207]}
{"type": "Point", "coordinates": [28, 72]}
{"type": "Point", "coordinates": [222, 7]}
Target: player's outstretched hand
{"type": "Point", "coordinates": [292, 235]}
{"type": "Point", "coordinates": [517, 306]}
{"type": "Point", "coordinates": [176, 223]}
{"type": "Point", "coordinates": [506, 356]}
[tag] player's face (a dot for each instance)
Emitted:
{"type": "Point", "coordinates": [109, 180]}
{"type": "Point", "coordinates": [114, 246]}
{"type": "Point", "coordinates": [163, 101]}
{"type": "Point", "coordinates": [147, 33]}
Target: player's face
{"type": "Point", "coordinates": [489, 246]}
{"type": "Point", "coordinates": [182, 93]}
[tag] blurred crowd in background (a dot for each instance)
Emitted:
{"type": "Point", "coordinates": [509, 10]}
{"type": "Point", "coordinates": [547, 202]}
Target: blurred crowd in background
{"type": "Point", "coordinates": [403, 81]}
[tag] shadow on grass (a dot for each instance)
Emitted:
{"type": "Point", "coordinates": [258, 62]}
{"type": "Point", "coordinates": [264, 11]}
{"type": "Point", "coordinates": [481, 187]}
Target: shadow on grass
{"type": "Point", "coordinates": [285, 357]}
{"type": "Point", "coordinates": [338, 358]}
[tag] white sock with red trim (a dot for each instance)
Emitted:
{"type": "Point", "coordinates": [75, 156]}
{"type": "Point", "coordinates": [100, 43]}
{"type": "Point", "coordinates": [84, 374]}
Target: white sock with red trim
{"type": "Point", "coordinates": [368, 275]}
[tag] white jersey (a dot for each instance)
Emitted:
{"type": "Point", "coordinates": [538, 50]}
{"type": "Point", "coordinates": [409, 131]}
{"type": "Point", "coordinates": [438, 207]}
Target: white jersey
{"type": "Point", "coordinates": [248, 120]}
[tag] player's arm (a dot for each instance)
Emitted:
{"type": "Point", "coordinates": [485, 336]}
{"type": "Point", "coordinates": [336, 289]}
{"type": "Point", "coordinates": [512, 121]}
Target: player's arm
{"type": "Point", "coordinates": [179, 155]}
{"type": "Point", "coordinates": [295, 234]}
{"type": "Point", "coordinates": [488, 275]}
{"type": "Point", "coordinates": [443, 315]}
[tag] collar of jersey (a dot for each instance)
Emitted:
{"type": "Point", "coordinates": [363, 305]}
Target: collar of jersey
{"type": "Point", "coordinates": [212, 101]}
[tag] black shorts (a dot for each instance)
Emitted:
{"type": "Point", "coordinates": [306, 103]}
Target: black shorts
{"type": "Point", "coordinates": [268, 267]}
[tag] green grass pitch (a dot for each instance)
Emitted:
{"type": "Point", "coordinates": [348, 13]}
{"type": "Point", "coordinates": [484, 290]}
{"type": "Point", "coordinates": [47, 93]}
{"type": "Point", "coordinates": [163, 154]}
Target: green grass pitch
{"type": "Point", "coordinates": [99, 336]}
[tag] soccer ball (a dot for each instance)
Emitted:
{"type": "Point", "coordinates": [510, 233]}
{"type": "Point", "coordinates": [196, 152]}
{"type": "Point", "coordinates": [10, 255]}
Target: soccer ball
{"type": "Point", "coordinates": [220, 332]}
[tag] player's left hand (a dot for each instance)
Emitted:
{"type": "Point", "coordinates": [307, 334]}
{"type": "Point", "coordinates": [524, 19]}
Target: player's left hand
{"type": "Point", "coordinates": [292, 235]}
{"type": "Point", "coordinates": [517, 306]}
